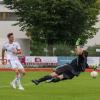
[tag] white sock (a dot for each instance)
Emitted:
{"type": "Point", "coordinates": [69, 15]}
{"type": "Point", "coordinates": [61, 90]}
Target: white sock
{"type": "Point", "coordinates": [19, 80]}
{"type": "Point", "coordinates": [15, 80]}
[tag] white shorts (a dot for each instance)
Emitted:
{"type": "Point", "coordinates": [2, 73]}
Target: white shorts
{"type": "Point", "coordinates": [15, 64]}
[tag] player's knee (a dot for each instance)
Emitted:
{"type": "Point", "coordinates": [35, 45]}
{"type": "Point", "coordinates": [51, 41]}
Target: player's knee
{"type": "Point", "coordinates": [54, 74]}
{"type": "Point", "coordinates": [16, 70]}
{"type": "Point", "coordinates": [61, 77]}
{"type": "Point", "coordinates": [24, 73]}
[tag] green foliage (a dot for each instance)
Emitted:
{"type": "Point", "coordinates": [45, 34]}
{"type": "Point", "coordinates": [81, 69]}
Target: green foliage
{"type": "Point", "coordinates": [38, 49]}
{"type": "Point", "coordinates": [8, 2]}
{"type": "Point", "coordinates": [56, 21]}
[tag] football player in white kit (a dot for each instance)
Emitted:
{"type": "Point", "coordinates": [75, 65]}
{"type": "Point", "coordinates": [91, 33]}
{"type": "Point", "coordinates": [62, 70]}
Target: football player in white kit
{"type": "Point", "coordinates": [12, 50]}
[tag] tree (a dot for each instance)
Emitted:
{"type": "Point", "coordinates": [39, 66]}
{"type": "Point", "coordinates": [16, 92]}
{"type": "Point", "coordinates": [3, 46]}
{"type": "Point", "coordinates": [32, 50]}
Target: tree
{"type": "Point", "coordinates": [54, 21]}
{"type": "Point", "coordinates": [10, 2]}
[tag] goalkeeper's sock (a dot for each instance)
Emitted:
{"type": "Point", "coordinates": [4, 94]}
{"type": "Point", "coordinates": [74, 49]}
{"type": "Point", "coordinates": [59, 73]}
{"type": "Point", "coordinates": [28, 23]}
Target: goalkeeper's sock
{"type": "Point", "coordinates": [55, 80]}
{"type": "Point", "coordinates": [17, 78]}
{"type": "Point", "coordinates": [44, 78]}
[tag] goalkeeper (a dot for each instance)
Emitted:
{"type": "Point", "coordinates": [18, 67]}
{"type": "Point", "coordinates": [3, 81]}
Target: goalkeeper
{"type": "Point", "coordinates": [68, 71]}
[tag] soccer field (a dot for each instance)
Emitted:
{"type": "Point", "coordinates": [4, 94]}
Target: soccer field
{"type": "Point", "coordinates": [80, 88]}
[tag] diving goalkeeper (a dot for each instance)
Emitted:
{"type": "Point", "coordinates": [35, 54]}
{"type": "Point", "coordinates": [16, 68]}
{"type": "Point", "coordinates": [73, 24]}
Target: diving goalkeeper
{"type": "Point", "coordinates": [68, 71]}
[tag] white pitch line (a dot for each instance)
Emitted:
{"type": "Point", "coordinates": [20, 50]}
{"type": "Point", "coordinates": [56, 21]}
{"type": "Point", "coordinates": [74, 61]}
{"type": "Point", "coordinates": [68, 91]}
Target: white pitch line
{"type": "Point", "coordinates": [7, 86]}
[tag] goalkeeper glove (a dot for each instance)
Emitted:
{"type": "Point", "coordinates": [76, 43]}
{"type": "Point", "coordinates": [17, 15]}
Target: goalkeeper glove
{"type": "Point", "coordinates": [94, 67]}
{"type": "Point", "coordinates": [78, 42]}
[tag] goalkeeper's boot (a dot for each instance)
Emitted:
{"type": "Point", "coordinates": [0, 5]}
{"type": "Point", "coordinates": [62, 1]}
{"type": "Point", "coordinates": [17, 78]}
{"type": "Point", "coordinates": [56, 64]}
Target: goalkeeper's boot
{"type": "Point", "coordinates": [35, 82]}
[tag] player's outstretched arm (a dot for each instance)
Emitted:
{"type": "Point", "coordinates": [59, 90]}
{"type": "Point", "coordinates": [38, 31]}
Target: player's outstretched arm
{"type": "Point", "coordinates": [3, 55]}
{"type": "Point", "coordinates": [78, 49]}
{"type": "Point", "coordinates": [17, 51]}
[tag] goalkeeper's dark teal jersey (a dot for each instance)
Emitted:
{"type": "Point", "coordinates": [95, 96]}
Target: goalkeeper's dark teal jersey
{"type": "Point", "coordinates": [79, 64]}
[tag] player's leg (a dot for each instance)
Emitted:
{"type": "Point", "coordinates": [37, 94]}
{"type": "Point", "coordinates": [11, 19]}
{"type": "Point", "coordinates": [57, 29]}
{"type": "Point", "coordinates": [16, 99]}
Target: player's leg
{"type": "Point", "coordinates": [55, 79]}
{"type": "Point", "coordinates": [15, 69]}
{"type": "Point", "coordinates": [21, 74]}
{"type": "Point", "coordinates": [58, 71]}
{"type": "Point", "coordinates": [64, 76]}
{"type": "Point", "coordinates": [14, 82]}
{"type": "Point", "coordinates": [45, 78]}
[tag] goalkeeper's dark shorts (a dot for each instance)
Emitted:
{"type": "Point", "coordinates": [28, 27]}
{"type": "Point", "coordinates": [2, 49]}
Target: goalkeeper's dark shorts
{"type": "Point", "coordinates": [65, 70]}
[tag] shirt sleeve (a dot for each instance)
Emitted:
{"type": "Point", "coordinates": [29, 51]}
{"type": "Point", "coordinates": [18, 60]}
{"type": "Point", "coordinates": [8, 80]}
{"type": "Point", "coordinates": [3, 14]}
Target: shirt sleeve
{"type": "Point", "coordinates": [18, 46]}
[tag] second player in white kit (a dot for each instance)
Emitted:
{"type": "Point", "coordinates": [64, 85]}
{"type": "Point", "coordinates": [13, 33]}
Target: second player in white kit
{"type": "Point", "coordinates": [12, 50]}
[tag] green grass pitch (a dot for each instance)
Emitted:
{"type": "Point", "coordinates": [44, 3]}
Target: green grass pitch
{"type": "Point", "coordinates": [79, 88]}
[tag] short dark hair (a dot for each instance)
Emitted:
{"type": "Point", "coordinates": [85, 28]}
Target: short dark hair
{"type": "Point", "coordinates": [9, 34]}
{"type": "Point", "coordinates": [85, 53]}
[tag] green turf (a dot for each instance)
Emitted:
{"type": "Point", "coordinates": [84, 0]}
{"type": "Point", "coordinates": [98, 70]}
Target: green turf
{"type": "Point", "coordinates": [80, 88]}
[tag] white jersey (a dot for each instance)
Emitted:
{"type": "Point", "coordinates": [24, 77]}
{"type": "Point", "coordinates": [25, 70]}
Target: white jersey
{"type": "Point", "coordinates": [9, 50]}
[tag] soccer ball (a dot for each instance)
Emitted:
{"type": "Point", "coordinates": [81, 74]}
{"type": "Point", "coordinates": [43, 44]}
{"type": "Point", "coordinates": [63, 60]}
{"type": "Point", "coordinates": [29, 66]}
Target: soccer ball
{"type": "Point", "coordinates": [94, 74]}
